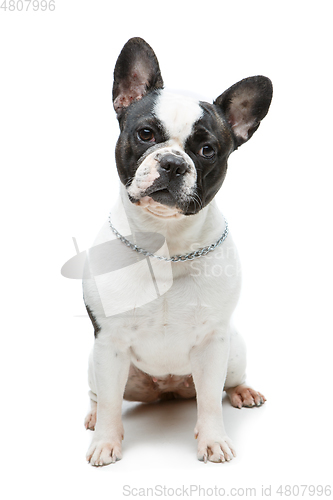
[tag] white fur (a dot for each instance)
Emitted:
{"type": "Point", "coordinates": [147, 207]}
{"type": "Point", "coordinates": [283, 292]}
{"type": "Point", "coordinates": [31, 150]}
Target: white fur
{"type": "Point", "coordinates": [178, 115]}
{"type": "Point", "coordinates": [144, 177]}
{"type": "Point", "coordinates": [186, 330]}
{"type": "Point", "coordinates": [158, 209]}
{"type": "Point", "coordinates": [196, 292]}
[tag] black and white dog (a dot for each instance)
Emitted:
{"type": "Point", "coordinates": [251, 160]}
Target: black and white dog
{"type": "Point", "coordinates": [163, 323]}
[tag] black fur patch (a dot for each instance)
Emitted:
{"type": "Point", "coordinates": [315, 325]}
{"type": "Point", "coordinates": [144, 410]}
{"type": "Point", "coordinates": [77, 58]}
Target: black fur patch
{"type": "Point", "coordinates": [213, 130]}
{"type": "Point", "coordinates": [97, 327]}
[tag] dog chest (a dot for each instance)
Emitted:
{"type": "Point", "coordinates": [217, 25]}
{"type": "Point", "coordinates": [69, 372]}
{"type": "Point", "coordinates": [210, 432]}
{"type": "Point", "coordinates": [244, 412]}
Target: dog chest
{"type": "Point", "coordinates": [161, 334]}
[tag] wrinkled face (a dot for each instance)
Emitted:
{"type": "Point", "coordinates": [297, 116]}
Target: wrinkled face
{"type": "Point", "coordinates": [172, 153]}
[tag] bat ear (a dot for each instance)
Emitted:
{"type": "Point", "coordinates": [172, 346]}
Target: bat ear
{"type": "Point", "coordinates": [136, 72]}
{"type": "Point", "coordinates": [244, 105]}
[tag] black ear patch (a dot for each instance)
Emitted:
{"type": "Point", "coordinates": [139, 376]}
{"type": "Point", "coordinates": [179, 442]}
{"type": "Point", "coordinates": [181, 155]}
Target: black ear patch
{"type": "Point", "coordinates": [137, 72]}
{"type": "Point", "coordinates": [245, 104]}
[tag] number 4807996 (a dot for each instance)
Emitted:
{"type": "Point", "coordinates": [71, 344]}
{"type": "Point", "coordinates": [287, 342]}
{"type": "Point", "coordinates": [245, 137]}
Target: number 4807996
{"type": "Point", "coordinates": [35, 5]}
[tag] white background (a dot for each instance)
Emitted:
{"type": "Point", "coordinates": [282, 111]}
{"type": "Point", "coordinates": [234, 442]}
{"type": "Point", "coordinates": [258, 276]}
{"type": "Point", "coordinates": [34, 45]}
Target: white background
{"type": "Point", "coordinates": [58, 180]}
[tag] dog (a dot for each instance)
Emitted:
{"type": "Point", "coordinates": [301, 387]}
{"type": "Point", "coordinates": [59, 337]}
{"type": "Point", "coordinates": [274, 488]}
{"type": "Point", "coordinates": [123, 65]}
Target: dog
{"type": "Point", "coordinates": [163, 322]}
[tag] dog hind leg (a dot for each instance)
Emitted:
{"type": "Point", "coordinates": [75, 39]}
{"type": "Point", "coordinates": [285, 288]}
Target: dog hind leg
{"type": "Point", "coordinates": [240, 395]}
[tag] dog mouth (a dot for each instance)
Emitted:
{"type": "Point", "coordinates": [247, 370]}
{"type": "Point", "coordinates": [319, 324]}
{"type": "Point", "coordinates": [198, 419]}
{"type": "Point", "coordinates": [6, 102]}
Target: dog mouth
{"type": "Point", "coordinates": [160, 202]}
{"type": "Point", "coordinates": [163, 196]}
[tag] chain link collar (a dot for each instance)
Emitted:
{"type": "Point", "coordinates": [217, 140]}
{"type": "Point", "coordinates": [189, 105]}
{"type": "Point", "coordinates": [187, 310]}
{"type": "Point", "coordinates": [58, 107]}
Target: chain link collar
{"type": "Point", "coordinates": [175, 258]}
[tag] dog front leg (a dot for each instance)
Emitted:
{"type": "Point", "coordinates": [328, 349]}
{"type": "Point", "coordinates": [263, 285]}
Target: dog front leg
{"type": "Point", "coordinates": [209, 363]}
{"type": "Point", "coordinates": [111, 367]}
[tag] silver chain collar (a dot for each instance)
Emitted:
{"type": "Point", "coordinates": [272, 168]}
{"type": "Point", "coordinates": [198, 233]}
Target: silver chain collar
{"type": "Point", "coordinates": [175, 258]}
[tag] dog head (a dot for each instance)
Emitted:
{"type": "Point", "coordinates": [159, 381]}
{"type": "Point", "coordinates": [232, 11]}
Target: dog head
{"type": "Point", "coordinates": [172, 151]}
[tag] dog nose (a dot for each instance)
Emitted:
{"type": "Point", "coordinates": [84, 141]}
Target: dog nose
{"type": "Point", "coordinates": [174, 165]}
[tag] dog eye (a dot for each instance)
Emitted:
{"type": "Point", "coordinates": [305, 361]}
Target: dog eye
{"type": "Point", "coordinates": [207, 151]}
{"type": "Point", "coordinates": [146, 135]}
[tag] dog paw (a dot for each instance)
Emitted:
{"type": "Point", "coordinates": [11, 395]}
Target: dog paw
{"type": "Point", "coordinates": [243, 395]}
{"type": "Point", "coordinates": [216, 450]}
{"type": "Point", "coordinates": [90, 420]}
{"type": "Point", "coordinates": [103, 452]}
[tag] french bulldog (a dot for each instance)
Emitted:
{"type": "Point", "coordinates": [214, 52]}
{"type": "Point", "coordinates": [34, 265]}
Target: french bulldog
{"type": "Point", "coordinates": [163, 323]}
